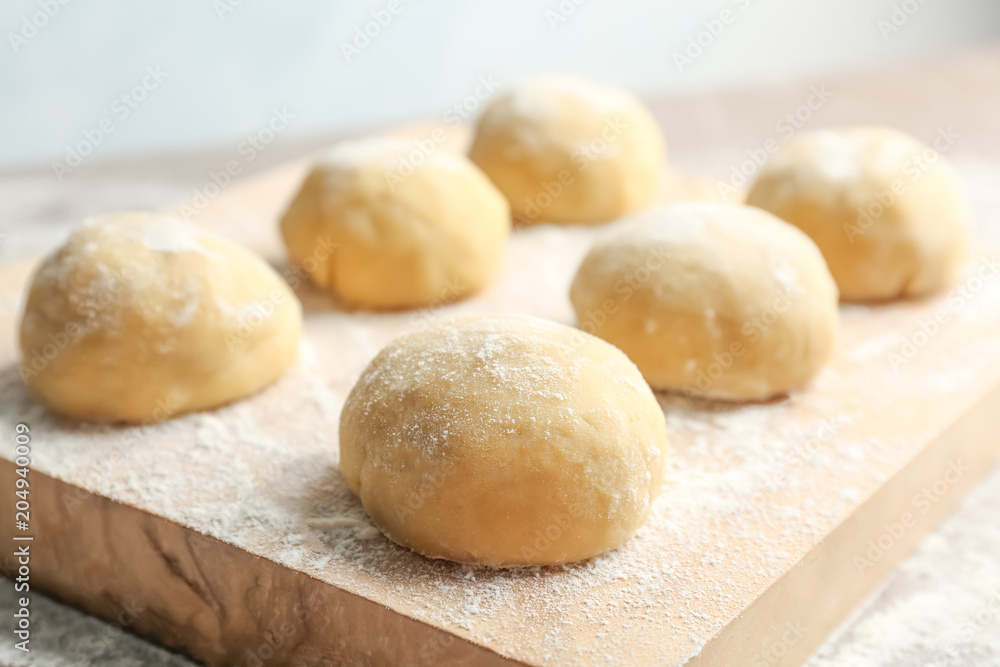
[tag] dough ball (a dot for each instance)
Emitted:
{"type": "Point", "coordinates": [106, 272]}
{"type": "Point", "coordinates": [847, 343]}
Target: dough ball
{"type": "Point", "coordinates": [382, 223]}
{"type": "Point", "coordinates": [141, 317]}
{"type": "Point", "coordinates": [564, 150]}
{"type": "Point", "coordinates": [504, 440]}
{"type": "Point", "coordinates": [715, 300]}
{"type": "Point", "coordinates": [888, 212]}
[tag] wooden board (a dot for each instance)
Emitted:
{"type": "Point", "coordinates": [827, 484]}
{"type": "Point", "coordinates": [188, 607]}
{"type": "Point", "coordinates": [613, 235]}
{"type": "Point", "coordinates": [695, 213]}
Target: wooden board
{"type": "Point", "coordinates": [233, 538]}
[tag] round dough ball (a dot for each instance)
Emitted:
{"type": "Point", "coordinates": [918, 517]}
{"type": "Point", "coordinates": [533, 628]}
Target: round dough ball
{"type": "Point", "coordinates": [888, 212]}
{"type": "Point", "coordinates": [504, 440]}
{"type": "Point", "coordinates": [141, 317]}
{"type": "Point", "coordinates": [383, 223]}
{"type": "Point", "coordinates": [715, 300]}
{"type": "Point", "coordinates": [563, 150]}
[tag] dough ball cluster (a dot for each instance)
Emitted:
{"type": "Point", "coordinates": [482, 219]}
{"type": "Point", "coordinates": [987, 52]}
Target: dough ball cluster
{"type": "Point", "coordinates": [505, 440]}
{"type": "Point", "coordinates": [379, 236]}
{"type": "Point", "coordinates": [564, 150]}
{"type": "Point", "coordinates": [715, 300]}
{"type": "Point", "coordinates": [141, 317]}
{"type": "Point", "coordinates": [888, 212]}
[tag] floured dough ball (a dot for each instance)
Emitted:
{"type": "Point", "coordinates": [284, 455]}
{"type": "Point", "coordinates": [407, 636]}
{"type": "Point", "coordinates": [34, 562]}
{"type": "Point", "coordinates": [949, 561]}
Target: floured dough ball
{"type": "Point", "coordinates": [888, 212]}
{"type": "Point", "coordinates": [141, 317]}
{"type": "Point", "coordinates": [715, 300]}
{"type": "Point", "coordinates": [564, 150]}
{"type": "Point", "coordinates": [504, 440]}
{"type": "Point", "coordinates": [383, 223]}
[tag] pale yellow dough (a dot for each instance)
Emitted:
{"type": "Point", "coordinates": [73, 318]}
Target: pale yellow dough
{"type": "Point", "coordinates": [888, 212]}
{"type": "Point", "coordinates": [503, 440]}
{"type": "Point", "coordinates": [564, 150]}
{"type": "Point", "coordinates": [714, 300]}
{"type": "Point", "coordinates": [381, 224]}
{"type": "Point", "coordinates": [141, 317]}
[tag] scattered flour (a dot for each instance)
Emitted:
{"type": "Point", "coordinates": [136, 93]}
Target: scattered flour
{"type": "Point", "coordinates": [740, 504]}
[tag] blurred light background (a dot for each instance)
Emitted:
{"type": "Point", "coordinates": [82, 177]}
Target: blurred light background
{"type": "Point", "coordinates": [225, 66]}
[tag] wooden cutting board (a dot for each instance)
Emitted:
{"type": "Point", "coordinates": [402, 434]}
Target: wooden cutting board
{"type": "Point", "coordinates": [230, 535]}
